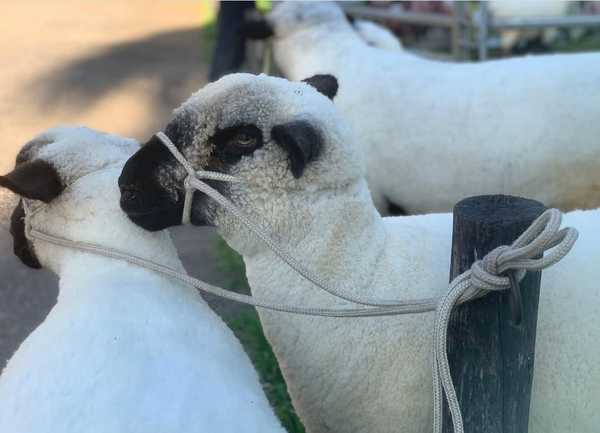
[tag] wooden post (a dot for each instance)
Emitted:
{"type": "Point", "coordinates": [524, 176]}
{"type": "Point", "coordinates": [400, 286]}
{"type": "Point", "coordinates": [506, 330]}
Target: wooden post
{"type": "Point", "coordinates": [491, 358]}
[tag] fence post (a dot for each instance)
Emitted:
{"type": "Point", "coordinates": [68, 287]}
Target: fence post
{"type": "Point", "coordinates": [490, 357]}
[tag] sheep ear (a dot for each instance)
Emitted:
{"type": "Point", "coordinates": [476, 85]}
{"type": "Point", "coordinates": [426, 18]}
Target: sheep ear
{"type": "Point", "coordinates": [257, 28]}
{"type": "Point", "coordinates": [301, 141]}
{"type": "Point", "coordinates": [324, 83]}
{"type": "Point", "coordinates": [36, 180]}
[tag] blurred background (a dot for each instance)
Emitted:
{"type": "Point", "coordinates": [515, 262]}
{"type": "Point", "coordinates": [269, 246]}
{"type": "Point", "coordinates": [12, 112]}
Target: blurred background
{"type": "Point", "coordinates": [123, 66]}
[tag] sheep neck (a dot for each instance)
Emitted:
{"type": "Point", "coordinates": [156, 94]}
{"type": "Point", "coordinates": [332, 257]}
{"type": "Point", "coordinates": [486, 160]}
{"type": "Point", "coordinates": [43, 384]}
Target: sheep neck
{"type": "Point", "coordinates": [327, 243]}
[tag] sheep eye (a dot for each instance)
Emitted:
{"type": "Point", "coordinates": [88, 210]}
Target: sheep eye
{"type": "Point", "coordinates": [233, 142]}
{"type": "Point", "coordinates": [245, 140]}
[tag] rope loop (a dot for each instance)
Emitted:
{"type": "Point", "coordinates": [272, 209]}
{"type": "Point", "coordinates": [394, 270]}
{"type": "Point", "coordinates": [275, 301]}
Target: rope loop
{"type": "Point", "coordinates": [485, 273]}
{"type": "Point", "coordinates": [540, 246]}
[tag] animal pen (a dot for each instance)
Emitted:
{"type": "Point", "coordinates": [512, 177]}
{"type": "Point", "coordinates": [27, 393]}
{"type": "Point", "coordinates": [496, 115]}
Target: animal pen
{"type": "Point", "coordinates": [489, 339]}
{"type": "Point", "coordinates": [469, 34]}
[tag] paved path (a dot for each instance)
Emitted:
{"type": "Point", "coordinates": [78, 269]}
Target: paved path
{"type": "Point", "coordinates": [112, 65]}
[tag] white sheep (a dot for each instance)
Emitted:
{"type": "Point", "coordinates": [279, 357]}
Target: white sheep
{"type": "Point", "coordinates": [300, 173]}
{"type": "Point", "coordinates": [516, 9]}
{"type": "Point", "coordinates": [376, 35]}
{"type": "Point", "coordinates": [436, 132]}
{"type": "Point", "coordinates": [124, 349]}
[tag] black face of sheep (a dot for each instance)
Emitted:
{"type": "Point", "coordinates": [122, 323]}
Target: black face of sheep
{"type": "Point", "coordinates": [35, 180]}
{"type": "Point", "coordinates": [144, 197]}
{"type": "Point", "coordinates": [221, 128]}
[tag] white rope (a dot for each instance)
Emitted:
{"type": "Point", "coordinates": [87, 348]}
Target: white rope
{"type": "Point", "coordinates": [544, 235]}
{"type": "Point", "coordinates": [488, 274]}
{"type": "Point", "coordinates": [193, 182]}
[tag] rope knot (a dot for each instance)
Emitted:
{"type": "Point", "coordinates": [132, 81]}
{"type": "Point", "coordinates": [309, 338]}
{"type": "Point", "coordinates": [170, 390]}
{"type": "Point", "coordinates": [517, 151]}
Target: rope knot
{"type": "Point", "coordinates": [187, 183]}
{"type": "Point", "coordinates": [488, 273]}
{"type": "Point", "coordinates": [501, 269]}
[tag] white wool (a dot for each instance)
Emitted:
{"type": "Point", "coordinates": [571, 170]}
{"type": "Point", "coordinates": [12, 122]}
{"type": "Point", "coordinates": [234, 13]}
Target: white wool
{"type": "Point", "coordinates": [123, 350]}
{"type": "Point", "coordinates": [434, 132]}
{"type": "Point", "coordinates": [376, 35]}
{"type": "Point", "coordinates": [374, 374]}
{"type": "Point", "coordinates": [357, 375]}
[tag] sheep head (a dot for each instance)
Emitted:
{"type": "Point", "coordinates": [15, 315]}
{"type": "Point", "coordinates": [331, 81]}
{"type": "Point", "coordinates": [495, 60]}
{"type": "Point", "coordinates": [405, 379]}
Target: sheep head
{"type": "Point", "coordinates": [47, 165]}
{"type": "Point", "coordinates": [281, 139]}
{"type": "Point", "coordinates": [290, 17]}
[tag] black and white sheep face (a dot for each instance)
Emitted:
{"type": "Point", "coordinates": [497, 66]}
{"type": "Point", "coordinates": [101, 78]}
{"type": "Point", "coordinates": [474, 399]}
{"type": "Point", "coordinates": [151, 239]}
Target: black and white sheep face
{"type": "Point", "coordinates": [49, 163]}
{"type": "Point", "coordinates": [275, 136]}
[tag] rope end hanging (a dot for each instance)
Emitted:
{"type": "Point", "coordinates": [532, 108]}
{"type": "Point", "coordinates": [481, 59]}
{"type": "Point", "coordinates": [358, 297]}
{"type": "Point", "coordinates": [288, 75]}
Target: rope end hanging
{"type": "Point", "coordinates": [501, 269]}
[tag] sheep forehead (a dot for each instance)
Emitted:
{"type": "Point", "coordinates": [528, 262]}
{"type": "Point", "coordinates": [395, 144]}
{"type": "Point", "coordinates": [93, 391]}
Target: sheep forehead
{"type": "Point", "coordinates": [77, 151]}
{"type": "Point", "coordinates": [236, 93]}
{"type": "Point", "coordinates": [246, 99]}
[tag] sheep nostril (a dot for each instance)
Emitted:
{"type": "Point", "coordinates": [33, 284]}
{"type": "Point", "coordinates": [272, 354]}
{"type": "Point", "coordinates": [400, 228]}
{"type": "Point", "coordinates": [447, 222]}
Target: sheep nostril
{"type": "Point", "coordinates": [129, 195]}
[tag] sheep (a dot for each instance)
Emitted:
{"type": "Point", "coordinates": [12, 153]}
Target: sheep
{"type": "Point", "coordinates": [124, 349]}
{"type": "Point", "coordinates": [436, 132]}
{"type": "Point", "coordinates": [377, 36]}
{"type": "Point", "coordinates": [516, 40]}
{"type": "Point", "coordinates": [300, 173]}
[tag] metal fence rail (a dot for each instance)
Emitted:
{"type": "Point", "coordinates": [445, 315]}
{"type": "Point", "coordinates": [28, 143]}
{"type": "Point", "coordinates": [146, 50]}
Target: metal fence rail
{"type": "Point", "coordinates": [466, 32]}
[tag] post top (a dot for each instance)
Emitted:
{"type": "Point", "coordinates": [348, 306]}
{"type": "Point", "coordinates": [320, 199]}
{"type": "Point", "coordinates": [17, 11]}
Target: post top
{"type": "Point", "coordinates": [498, 209]}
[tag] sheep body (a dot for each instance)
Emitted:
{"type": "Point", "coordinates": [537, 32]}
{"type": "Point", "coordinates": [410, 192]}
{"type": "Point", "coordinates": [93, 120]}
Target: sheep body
{"type": "Point", "coordinates": [376, 35]}
{"type": "Point", "coordinates": [369, 374]}
{"type": "Point", "coordinates": [436, 132]}
{"type": "Point", "coordinates": [509, 38]}
{"type": "Point", "coordinates": [361, 375]}
{"type": "Point", "coordinates": [123, 350]}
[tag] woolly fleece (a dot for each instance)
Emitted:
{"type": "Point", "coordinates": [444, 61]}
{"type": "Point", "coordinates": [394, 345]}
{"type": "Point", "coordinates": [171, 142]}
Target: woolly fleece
{"type": "Point", "coordinates": [377, 36]}
{"type": "Point", "coordinates": [374, 374]}
{"type": "Point", "coordinates": [436, 132]}
{"type": "Point", "coordinates": [123, 350]}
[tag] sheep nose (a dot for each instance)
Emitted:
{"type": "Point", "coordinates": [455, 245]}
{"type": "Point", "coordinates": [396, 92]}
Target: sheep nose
{"type": "Point", "coordinates": [128, 194]}
{"type": "Point", "coordinates": [130, 198]}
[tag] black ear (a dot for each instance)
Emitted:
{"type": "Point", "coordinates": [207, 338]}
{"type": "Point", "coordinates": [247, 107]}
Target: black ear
{"type": "Point", "coordinates": [21, 245]}
{"type": "Point", "coordinates": [35, 180]}
{"type": "Point", "coordinates": [324, 83]}
{"type": "Point", "coordinates": [257, 28]}
{"type": "Point", "coordinates": [301, 141]}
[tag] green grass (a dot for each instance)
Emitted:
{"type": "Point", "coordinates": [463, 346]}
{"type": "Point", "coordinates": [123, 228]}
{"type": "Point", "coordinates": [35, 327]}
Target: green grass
{"type": "Point", "coordinates": [589, 42]}
{"type": "Point", "coordinates": [231, 266]}
{"type": "Point", "coordinates": [247, 328]}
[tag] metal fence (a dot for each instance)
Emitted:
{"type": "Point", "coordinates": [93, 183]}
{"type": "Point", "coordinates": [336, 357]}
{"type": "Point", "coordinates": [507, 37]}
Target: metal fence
{"type": "Point", "coordinates": [467, 33]}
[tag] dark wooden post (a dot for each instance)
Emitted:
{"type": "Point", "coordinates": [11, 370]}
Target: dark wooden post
{"type": "Point", "coordinates": [491, 358]}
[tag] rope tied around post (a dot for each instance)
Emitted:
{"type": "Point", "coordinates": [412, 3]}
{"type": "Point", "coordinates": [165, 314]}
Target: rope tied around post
{"type": "Point", "coordinates": [488, 274]}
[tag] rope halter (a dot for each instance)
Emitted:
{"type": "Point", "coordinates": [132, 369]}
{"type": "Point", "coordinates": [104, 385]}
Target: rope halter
{"type": "Point", "coordinates": [192, 175]}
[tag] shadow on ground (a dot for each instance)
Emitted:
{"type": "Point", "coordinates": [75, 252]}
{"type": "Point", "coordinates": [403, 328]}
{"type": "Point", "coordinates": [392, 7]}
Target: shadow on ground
{"type": "Point", "coordinates": [174, 62]}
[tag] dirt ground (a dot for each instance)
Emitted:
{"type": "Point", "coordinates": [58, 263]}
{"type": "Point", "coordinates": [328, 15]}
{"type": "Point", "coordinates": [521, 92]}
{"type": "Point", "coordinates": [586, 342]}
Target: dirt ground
{"type": "Point", "coordinates": [111, 65]}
